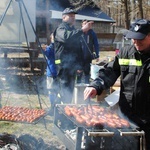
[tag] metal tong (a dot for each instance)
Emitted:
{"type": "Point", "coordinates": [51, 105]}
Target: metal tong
{"type": "Point", "coordinates": [89, 104]}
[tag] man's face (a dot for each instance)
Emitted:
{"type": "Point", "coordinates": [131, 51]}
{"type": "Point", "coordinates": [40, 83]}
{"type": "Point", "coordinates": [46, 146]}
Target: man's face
{"type": "Point", "coordinates": [69, 18]}
{"type": "Point", "coordinates": [142, 45]}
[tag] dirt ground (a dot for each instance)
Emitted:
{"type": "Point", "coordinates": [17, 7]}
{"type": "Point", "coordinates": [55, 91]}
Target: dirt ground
{"type": "Point", "coordinates": [19, 87]}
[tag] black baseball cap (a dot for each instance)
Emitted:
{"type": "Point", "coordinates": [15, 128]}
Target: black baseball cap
{"type": "Point", "coordinates": [69, 11]}
{"type": "Point", "coordinates": [139, 29]}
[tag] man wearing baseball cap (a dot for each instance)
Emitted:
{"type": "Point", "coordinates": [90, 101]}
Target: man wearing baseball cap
{"type": "Point", "coordinates": [132, 65]}
{"type": "Point", "coordinates": [68, 53]}
{"type": "Point", "coordinates": [139, 29]}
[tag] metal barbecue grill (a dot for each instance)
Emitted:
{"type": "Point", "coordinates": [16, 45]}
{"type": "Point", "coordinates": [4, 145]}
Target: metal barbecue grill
{"type": "Point", "coordinates": [77, 136]}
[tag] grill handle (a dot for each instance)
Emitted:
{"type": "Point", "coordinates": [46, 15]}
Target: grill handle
{"type": "Point", "coordinates": [100, 134]}
{"type": "Point", "coordinates": [132, 133]}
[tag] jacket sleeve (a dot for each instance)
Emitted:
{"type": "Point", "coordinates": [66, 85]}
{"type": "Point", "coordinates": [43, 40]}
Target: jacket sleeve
{"type": "Point", "coordinates": [107, 76]}
{"type": "Point", "coordinates": [65, 36]}
{"type": "Point", "coordinates": [96, 44]}
{"type": "Point", "coordinates": [48, 51]}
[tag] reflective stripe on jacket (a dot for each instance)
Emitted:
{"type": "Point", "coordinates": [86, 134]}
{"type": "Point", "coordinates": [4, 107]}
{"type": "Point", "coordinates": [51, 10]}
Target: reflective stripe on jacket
{"type": "Point", "coordinates": [58, 61]}
{"type": "Point", "coordinates": [130, 62]}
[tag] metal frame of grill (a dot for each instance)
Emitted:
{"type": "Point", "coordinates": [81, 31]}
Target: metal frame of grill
{"type": "Point", "coordinates": [95, 138]}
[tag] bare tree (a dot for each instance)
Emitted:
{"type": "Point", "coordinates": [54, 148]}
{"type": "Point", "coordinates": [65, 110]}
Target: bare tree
{"type": "Point", "coordinates": [140, 8]}
{"type": "Point", "coordinates": [125, 11]}
{"type": "Point", "coordinates": [80, 4]}
{"type": "Point", "coordinates": [122, 11]}
{"type": "Point", "coordinates": [126, 4]}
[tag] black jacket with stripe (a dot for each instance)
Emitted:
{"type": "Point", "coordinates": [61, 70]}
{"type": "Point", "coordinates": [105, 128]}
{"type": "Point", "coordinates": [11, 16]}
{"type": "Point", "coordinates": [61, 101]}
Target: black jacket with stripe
{"type": "Point", "coordinates": [68, 52]}
{"type": "Point", "coordinates": [133, 68]}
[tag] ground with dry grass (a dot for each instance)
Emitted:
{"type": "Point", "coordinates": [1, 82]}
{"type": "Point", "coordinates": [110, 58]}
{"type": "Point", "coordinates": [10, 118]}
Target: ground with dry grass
{"type": "Point", "coordinates": [26, 90]}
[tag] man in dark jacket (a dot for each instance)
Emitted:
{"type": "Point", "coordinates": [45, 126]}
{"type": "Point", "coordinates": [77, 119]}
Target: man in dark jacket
{"type": "Point", "coordinates": [68, 53]}
{"type": "Point", "coordinates": [90, 47]}
{"type": "Point", "coordinates": [133, 64]}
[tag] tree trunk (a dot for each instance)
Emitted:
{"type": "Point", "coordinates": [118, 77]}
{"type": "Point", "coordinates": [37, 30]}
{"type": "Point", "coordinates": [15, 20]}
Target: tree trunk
{"type": "Point", "coordinates": [126, 12]}
{"type": "Point", "coordinates": [140, 8]}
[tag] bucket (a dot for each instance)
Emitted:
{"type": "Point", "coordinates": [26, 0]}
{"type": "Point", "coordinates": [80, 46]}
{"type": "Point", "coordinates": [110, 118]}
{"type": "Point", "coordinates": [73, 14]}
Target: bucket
{"type": "Point", "coordinates": [79, 93]}
{"type": "Point", "coordinates": [94, 71]}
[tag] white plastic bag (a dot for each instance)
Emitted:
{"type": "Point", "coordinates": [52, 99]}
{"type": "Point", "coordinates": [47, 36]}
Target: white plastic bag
{"type": "Point", "coordinates": [94, 71]}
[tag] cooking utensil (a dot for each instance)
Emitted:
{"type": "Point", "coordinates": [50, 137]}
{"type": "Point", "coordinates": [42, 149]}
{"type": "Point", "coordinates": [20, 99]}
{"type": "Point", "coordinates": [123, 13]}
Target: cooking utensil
{"type": "Point", "coordinates": [89, 104]}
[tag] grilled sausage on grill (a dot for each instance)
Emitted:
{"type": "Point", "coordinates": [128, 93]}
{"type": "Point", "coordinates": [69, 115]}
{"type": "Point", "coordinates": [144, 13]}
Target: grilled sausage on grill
{"type": "Point", "coordinates": [97, 116]}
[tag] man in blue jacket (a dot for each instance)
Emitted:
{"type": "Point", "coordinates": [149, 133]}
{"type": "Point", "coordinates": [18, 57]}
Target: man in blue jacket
{"type": "Point", "coordinates": [90, 48]}
{"type": "Point", "coordinates": [51, 73]}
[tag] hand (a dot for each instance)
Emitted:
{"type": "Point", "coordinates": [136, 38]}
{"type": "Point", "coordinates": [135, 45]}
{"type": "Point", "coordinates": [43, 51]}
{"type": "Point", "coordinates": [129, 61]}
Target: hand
{"type": "Point", "coordinates": [89, 92]}
{"type": "Point", "coordinates": [44, 46]}
{"type": "Point", "coordinates": [97, 60]}
{"type": "Point", "coordinates": [79, 71]}
{"type": "Point", "coordinates": [87, 26]}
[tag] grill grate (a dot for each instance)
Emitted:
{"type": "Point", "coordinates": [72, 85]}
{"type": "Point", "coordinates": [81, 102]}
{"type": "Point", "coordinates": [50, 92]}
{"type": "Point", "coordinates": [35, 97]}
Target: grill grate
{"type": "Point", "coordinates": [21, 114]}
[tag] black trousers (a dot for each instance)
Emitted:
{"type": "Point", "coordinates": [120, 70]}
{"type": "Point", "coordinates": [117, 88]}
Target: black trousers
{"type": "Point", "coordinates": [86, 73]}
{"type": "Point", "coordinates": [66, 77]}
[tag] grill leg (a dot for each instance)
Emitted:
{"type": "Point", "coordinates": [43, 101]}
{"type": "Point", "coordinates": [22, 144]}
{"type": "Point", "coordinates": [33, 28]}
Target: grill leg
{"type": "Point", "coordinates": [79, 138]}
{"type": "Point", "coordinates": [142, 142]}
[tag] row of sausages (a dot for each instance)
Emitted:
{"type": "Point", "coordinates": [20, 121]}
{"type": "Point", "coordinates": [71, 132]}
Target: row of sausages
{"type": "Point", "coordinates": [20, 114]}
{"type": "Point", "coordinates": [96, 116]}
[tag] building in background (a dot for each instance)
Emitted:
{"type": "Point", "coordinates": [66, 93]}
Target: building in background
{"type": "Point", "coordinates": [49, 16]}
{"type": "Point", "coordinates": [13, 19]}
{"type": "Point", "coordinates": [45, 15]}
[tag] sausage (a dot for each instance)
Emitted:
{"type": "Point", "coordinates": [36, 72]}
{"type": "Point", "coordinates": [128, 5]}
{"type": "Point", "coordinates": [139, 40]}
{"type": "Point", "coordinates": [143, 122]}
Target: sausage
{"type": "Point", "coordinates": [88, 116]}
{"type": "Point", "coordinates": [68, 112]}
{"type": "Point", "coordinates": [97, 108]}
{"type": "Point", "coordinates": [85, 117]}
{"type": "Point", "coordinates": [124, 123]}
{"type": "Point", "coordinates": [80, 120]}
{"type": "Point", "coordinates": [111, 124]}
{"type": "Point", "coordinates": [89, 123]}
{"type": "Point", "coordinates": [117, 122]}
{"type": "Point", "coordinates": [108, 115]}
{"type": "Point", "coordinates": [85, 110]}
{"type": "Point", "coordinates": [95, 121]}
{"type": "Point", "coordinates": [80, 112]}
{"type": "Point", "coordinates": [115, 116]}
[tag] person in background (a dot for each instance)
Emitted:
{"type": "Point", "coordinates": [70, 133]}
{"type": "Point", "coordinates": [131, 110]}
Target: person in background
{"type": "Point", "coordinates": [133, 64]}
{"type": "Point", "coordinates": [51, 73]}
{"type": "Point", "coordinates": [90, 47]}
{"type": "Point", "coordinates": [68, 53]}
